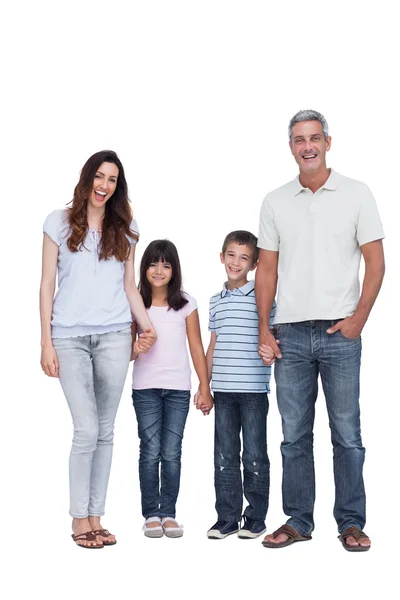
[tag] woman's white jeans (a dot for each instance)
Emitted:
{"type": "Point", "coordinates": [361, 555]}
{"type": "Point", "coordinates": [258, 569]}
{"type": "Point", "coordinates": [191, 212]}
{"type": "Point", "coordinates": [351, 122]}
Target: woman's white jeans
{"type": "Point", "coordinates": [92, 372]}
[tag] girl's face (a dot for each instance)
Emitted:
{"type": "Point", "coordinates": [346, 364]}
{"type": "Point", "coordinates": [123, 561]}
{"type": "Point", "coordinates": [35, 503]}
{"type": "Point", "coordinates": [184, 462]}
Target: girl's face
{"type": "Point", "coordinates": [159, 274]}
{"type": "Point", "coordinates": [104, 184]}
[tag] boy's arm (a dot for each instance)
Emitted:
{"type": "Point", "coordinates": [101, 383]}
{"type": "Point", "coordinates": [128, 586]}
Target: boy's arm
{"type": "Point", "coordinates": [210, 353]}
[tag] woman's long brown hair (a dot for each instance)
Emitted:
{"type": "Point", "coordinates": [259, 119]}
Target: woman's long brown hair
{"type": "Point", "coordinates": [117, 216]}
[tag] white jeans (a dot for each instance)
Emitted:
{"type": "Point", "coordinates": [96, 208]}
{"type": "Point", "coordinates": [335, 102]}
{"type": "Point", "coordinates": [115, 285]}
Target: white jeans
{"type": "Point", "coordinates": [92, 371]}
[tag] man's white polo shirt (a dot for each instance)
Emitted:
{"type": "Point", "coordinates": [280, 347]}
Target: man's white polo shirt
{"type": "Point", "coordinates": [318, 237]}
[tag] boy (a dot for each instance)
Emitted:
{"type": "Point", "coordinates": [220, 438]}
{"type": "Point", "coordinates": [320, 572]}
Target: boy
{"type": "Point", "coordinates": [240, 383]}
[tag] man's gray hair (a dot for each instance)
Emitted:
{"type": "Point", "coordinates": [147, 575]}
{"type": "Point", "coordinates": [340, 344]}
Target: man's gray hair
{"type": "Point", "coordinates": [308, 115]}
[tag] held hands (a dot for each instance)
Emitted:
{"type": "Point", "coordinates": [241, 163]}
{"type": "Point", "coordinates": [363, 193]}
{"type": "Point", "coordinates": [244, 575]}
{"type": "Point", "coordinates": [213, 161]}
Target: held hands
{"type": "Point", "coordinates": [143, 343]}
{"type": "Point", "coordinates": [269, 350]}
{"type": "Point", "coordinates": [349, 327]}
{"type": "Point", "coordinates": [49, 361]}
{"type": "Point", "coordinates": [204, 401]}
{"type": "Point", "coordinates": [145, 340]}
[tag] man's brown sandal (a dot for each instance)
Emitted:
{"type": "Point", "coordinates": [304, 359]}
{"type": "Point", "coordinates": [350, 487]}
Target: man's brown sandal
{"type": "Point", "coordinates": [357, 534]}
{"type": "Point", "coordinates": [88, 536]}
{"type": "Point", "coordinates": [293, 536]}
{"type": "Point", "coordinates": [104, 533]}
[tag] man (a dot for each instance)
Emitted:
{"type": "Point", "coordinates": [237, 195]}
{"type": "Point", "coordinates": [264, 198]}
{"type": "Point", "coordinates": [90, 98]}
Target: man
{"type": "Point", "coordinates": [313, 232]}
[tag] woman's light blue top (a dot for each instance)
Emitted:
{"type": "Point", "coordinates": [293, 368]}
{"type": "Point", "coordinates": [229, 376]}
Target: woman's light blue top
{"type": "Point", "coordinates": [91, 297]}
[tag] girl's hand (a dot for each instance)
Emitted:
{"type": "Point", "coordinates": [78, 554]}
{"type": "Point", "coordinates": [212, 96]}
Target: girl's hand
{"type": "Point", "coordinates": [49, 361]}
{"type": "Point", "coordinates": [147, 339]}
{"type": "Point", "coordinates": [204, 401]}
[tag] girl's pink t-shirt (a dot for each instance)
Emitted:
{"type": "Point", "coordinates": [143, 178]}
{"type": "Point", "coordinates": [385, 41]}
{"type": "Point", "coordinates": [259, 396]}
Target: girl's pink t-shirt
{"type": "Point", "coordinates": [166, 365]}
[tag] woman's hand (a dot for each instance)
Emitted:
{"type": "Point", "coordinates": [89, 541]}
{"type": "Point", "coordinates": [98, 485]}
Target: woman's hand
{"type": "Point", "coordinates": [49, 361]}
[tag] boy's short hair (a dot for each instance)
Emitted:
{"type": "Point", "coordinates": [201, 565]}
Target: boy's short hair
{"type": "Point", "coordinates": [243, 238]}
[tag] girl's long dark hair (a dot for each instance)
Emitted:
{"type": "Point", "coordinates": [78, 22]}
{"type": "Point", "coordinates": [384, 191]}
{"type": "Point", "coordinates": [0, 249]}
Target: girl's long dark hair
{"type": "Point", "coordinates": [162, 251]}
{"type": "Point", "coordinates": [117, 215]}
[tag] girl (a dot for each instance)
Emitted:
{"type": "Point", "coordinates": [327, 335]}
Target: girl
{"type": "Point", "coordinates": [161, 385]}
{"type": "Point", "coordinates": [86, 334]}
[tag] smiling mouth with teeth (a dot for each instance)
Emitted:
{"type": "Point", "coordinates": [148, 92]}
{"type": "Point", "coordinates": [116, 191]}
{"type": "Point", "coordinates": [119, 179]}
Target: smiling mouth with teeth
{"type": "Point", "coordinates": [100, 195]}
{"type": "Point", "coordinates": [308, 156]}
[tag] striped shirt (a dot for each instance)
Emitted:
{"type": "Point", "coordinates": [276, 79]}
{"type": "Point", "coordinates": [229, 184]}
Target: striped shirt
{"type": "Point", "coordinates": [237, 366]}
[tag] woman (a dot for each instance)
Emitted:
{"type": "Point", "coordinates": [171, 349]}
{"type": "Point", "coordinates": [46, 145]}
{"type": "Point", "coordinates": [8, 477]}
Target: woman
{"type": "Point", "coordinates": [86, 334]}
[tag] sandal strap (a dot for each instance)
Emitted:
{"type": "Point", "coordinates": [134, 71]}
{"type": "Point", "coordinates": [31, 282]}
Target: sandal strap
{"type": "Point", "coordinates": [152, 520]}
{"type": "Point", "coordinates": [102, 532]}
{"type": "Point", "coordinates": [287, 530]}
{"type": "Point", "coordinates": [88, 536]}
{"type": "Point", "coordinates": [355, 532]}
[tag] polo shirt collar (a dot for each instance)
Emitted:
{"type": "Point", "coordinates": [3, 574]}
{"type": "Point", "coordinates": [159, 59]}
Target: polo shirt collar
{"type": "Point", "coordinates": [330, 184]}
{"type": "Point", "coordinates": [244, 290]}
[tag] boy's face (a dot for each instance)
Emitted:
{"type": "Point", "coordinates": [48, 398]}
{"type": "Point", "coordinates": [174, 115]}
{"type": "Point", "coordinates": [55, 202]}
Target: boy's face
{"type": "Point", "coordinates": [238, 261]}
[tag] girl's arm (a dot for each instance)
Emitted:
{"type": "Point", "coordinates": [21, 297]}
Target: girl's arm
{"type": "Point", "coordinates": [48, 358]}
{"type": "Point", "coordinates": [203, 398]}
{"type": "Point", "coordinates": [134, 353]}
{"type": "Point", "coordinates": [149, 336]}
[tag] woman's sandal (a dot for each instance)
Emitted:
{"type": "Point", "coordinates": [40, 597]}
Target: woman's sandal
{"type": "Point", "coordinates": [104, 533]}
{"type": "Point", "coordinates": [88, 536]}
{"type": "Point", "coordinates": [153, 532]}
{"type": "Point", "coordinates": [172, 532]}
{"type": "Point", "coordinates": [357, 534]}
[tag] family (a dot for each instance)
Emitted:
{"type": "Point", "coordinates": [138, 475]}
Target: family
{"type": "Point", "coordinates": [312, 234]}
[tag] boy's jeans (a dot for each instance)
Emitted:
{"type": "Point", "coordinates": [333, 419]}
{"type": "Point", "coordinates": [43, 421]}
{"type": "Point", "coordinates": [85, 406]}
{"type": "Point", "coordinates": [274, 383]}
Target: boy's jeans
{"type": "Point", "coordinates": [246, 412]}
{"type": "Point", "coordinates": [161, 416]}
{"type": "Point", "coordinates": [92, 372]}
{"type": "Point", "coordinates": [307, 350]}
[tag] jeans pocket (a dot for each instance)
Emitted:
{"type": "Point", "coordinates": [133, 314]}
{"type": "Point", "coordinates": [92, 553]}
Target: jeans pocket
{"type": "Point", "coordinates": [123, 332]}
{"type": "Point", "coordinates": [281, 331]}
{"type": "Point", "coordinates": [357, 339]}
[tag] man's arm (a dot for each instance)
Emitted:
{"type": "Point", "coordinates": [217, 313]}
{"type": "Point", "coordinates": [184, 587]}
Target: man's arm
{"type": "Point", "coordinates": [265, 286]}
{"type": "Point", "coordinates": [372, 252]}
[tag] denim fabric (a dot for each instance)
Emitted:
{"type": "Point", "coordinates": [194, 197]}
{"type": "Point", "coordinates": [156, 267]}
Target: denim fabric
{"type": "Point", "coordinates": [161, 416]}
{"type": "Point", "coordinates": [92, 374]}
{"type": "Point", "coordinates": [246, 413]}
{"type": "Point", "coordinates": [308, 351]}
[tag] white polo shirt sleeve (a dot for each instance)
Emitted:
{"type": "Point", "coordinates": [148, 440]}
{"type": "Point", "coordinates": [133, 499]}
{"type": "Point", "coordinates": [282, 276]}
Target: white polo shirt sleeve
{"type": "Point", "coordinates": [268, 237]}
{"type": "Point", "coordinates": [369, 225]}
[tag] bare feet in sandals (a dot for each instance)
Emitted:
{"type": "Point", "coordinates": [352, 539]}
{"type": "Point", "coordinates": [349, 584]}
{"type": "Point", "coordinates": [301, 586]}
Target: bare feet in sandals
{"type": "Point", "coordinates": [103, 535]}
{"type": "Point", "coordinates": [284, 536]}
{"type": "Point", "coordinates": [355, 540]}
{"type": "Point", "coordinates": [83, 534]}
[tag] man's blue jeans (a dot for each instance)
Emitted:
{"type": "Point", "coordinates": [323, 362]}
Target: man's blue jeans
{"type": "Point", "coordinates": [246, 412]}
{"type": "Point", "coordinates": [161, 416]}
{"type": "Point", "coordinates": [307, 351]}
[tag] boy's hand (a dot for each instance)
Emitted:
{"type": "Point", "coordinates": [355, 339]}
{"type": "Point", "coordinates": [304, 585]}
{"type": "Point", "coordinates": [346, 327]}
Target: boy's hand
{"type": "Point", "coordinates": [269, 348]}
{"type": "Point", "coordinates": [267, 354]}
{"type": "Point", "coordinates": [204, 401]}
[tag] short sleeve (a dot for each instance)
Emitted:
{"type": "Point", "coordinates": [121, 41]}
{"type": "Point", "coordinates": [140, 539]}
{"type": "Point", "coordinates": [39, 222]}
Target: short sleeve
{"type": "Point", "coordinates": [53, 225]}
{"type": "Point", "coordinates": [190, 306]}
{"type": "Point", "coordinates": [268, 237]}
{"type": "Point", "coordinates": [211, 318]}
{"type": "Point", "coordinates": [134, 227]}
{"type": "Point", "coordinates": [369, 226]}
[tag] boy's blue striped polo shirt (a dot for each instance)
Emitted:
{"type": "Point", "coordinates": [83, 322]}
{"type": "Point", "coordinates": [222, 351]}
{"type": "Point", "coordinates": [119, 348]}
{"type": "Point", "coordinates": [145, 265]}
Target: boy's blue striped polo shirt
{"type": "Point", "coordinates": [237, 366]}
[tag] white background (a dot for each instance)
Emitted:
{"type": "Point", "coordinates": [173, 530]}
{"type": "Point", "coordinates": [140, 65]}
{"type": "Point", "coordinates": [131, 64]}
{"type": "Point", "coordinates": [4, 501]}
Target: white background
{"type": "Point", "coordinates": [195, 97]}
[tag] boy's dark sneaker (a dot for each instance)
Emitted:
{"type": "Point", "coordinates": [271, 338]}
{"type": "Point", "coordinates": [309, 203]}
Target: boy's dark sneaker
{"type": "Point", "coordinates": [252, 528]}
{"type": "Point", "coordinates": [222, 529]}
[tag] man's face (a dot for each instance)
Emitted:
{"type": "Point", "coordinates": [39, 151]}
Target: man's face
{"type": "Point", "coordinates": [309, 146]}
